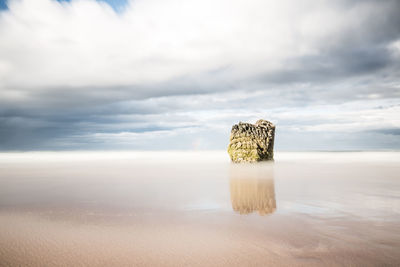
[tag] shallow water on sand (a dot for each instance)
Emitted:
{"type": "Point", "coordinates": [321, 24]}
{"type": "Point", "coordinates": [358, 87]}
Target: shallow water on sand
{"type": "Point", "coordinates": [198, 209]}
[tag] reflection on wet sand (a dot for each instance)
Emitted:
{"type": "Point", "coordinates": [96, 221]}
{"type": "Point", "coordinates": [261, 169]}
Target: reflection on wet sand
{"type": "Point", "coordinates": [173, 209]}
{"type": "Point", "coordinates": [252, 189]}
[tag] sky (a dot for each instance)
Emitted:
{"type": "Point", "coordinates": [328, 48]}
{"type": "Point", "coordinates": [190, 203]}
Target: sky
{"type": "Point", "coordinates": [177, 74]}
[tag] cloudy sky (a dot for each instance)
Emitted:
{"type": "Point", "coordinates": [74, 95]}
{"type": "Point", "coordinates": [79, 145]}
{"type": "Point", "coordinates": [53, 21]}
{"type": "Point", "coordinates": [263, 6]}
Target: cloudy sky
{"type": "Point", "coordinates": [176, 74]}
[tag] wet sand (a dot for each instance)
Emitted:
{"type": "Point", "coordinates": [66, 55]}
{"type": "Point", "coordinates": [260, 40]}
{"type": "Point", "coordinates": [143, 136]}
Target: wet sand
{"type": "Point", "coordinates": [197, 209]}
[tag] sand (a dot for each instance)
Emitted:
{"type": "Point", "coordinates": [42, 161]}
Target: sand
{"type": "Point", "coordinates": [197, 209]}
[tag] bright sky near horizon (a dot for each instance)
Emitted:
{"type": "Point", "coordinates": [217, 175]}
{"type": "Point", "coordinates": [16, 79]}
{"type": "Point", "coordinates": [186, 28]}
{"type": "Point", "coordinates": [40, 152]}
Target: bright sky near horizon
{"type": "Point", "coordinates": [176, 74]}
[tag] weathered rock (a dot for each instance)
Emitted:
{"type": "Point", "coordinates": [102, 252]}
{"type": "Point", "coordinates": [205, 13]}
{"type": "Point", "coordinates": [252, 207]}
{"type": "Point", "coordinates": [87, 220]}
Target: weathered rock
{"type": "Point", "coordinates": [252, 142]}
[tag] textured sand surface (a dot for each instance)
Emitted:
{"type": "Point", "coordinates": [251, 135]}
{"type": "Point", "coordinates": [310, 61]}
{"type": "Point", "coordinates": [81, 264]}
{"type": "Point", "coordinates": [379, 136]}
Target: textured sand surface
{"type": "Point", "coordinates": [145, 209]}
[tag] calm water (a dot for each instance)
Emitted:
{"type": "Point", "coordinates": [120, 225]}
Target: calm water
{"type": "Point", "coordinates": [196, 209]}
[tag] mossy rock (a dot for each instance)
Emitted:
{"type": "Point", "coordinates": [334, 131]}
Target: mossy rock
{"type": "Point", "coordinates": [252, 142]}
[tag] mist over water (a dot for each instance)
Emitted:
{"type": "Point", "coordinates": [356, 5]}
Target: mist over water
{"type": "Point", "coordinates": [174, 208]}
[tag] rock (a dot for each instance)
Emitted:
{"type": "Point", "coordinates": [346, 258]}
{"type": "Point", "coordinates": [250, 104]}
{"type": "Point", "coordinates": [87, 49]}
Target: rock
{"type": "Point", "coordinates": [252, 142]}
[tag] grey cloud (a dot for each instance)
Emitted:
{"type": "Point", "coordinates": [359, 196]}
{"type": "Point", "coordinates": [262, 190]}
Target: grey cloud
{"type": "Point", "coordinates": [330, 66]}
{"type": "Point", "coordinates": [198, 106]}
{"type": "Point", "coordinates": [392, 131]}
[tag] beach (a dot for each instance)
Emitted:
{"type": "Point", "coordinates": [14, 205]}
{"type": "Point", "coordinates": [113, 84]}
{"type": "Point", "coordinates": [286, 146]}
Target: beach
{"type": "Point", "coordinates": [198, 209]}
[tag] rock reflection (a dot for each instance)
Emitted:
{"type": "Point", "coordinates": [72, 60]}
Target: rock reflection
{"type": "Point", "coordinates": [252, 189]}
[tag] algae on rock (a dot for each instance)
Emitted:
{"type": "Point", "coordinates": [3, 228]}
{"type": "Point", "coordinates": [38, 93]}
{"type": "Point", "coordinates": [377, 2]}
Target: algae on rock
{"type": "Point", "coordinates": [252, 142]}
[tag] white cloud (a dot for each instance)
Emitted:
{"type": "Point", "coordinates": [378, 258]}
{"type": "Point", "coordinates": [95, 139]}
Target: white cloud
{"type": "Point", "coordinates": [45, 43]}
